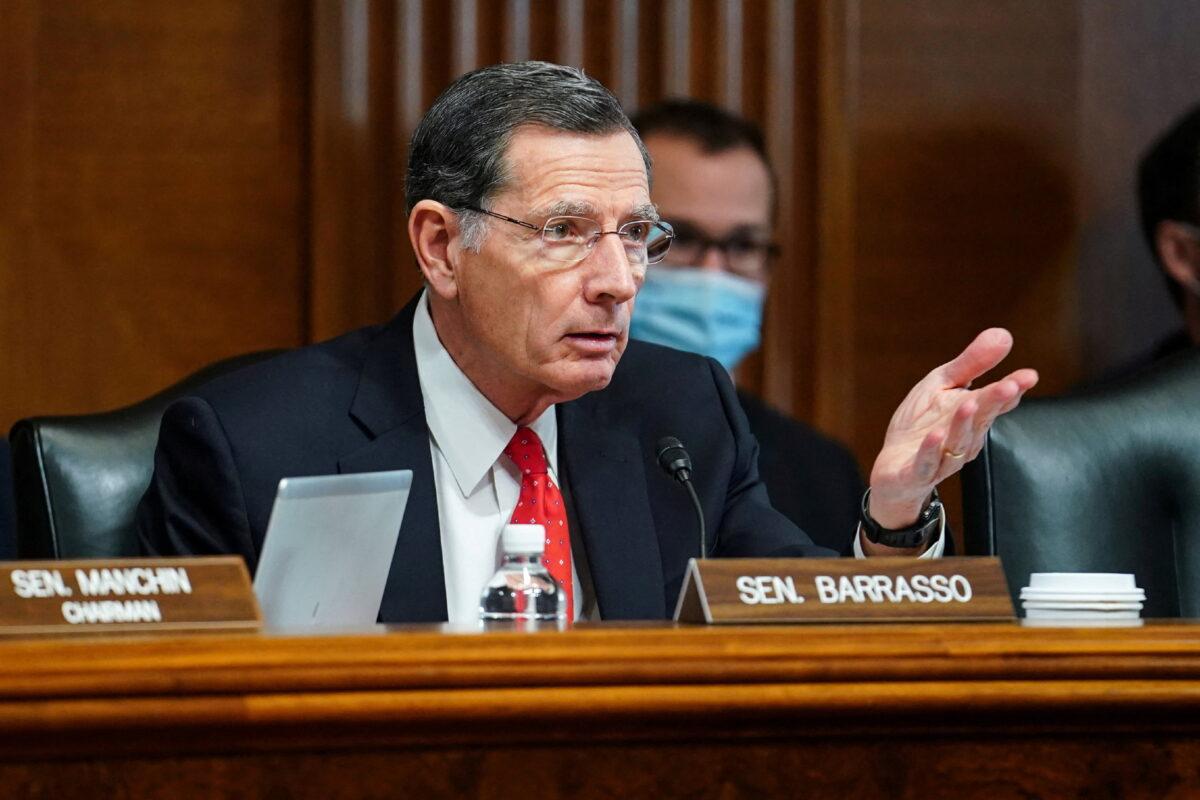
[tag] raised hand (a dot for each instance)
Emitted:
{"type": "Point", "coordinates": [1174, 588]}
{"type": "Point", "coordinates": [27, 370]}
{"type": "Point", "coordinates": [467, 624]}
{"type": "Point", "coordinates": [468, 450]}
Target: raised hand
{"type": "Point", "coordinates": [940, 426]}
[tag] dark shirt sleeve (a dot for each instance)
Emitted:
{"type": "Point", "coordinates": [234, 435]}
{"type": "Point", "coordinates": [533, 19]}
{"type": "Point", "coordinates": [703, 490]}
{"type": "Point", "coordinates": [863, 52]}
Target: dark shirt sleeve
{"type": "Point", "coordinates": [194, 505]}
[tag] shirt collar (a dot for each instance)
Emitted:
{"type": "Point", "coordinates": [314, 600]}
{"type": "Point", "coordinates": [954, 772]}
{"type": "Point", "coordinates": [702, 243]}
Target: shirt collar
{"type": "Point", "coordinates": [470, 431]}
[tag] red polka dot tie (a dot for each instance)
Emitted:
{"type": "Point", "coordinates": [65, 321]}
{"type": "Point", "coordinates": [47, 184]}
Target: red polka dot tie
{"type": "Point", "coordinates": [540, 503]}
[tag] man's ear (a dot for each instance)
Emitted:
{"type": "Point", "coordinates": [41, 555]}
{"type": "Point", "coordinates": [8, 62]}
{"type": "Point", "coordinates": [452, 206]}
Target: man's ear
{"type": "Point", "coordinates": [1179, 251]}
{"type": "Point", "coordinates": [433, 232]}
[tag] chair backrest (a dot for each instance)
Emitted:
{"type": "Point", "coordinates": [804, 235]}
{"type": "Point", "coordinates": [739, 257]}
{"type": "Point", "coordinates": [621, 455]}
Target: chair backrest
{"type": "Point", "coordinates": [1107, 481]}
{"type": "Point", "coordinates": [79, 479]}
{"type": "Point", "coordinates": [8, 520]}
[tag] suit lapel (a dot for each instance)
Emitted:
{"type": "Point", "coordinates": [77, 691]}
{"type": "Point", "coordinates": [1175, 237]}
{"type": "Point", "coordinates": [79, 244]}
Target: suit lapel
{"type": "Point", "coordinates": [388, 406]}
{"type": "Point", "coordinates": [608, 486]}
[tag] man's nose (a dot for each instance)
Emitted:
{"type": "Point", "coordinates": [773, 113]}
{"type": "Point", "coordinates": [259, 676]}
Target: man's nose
{"type": "Point", "coordinates": [712, 257]}
{"type": "Point", "coordinates": [612, 274]}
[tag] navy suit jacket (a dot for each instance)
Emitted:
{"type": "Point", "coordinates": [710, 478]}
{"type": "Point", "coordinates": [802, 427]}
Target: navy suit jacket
{"type": "Point", "coordinates": [354, 404]}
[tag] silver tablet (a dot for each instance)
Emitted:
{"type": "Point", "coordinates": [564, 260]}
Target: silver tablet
{"type": "Point", "coordinates": [328, 548]}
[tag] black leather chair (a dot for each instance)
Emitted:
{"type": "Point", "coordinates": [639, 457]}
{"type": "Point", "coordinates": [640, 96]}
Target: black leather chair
{"type": "Point", "coordinates": [1105, 481]}
{"type": "Point", "coordinates": [78, 479]}
{"type": "Point", "coordinates": [8, 522]}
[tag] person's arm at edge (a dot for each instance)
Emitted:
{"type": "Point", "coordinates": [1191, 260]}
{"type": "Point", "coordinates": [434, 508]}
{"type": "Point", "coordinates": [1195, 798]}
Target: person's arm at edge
{"type": "Point", "coordinates": [194, 504]}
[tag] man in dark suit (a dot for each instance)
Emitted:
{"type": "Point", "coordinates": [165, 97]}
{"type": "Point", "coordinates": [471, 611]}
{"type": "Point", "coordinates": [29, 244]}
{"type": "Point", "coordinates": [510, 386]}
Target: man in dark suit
{"type": "Point", "coordinates": [530, 218]}
{"type": "Point", "coordinates": [1169, 206]}
{"type": "Point", "coordinates": [713, 180]}
{"type": "Point", "coordinates": [1168, 194]}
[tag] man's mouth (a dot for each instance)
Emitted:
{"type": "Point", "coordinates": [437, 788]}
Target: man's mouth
{"type": "Point", "coordinates": [599, 342]}
{"type": "Point", "coordinates": [596, 335]}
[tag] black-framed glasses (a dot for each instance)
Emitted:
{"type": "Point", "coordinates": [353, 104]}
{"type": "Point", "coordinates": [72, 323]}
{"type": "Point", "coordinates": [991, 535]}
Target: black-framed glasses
{"type": "Point", "coordinates": [570, 239]}
{"type": "Point", "coordinates": [744, 254]}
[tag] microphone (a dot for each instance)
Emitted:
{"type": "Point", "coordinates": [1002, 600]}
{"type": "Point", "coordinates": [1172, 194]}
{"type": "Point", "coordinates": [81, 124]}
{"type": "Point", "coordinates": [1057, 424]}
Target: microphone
{"type": "Point", "coordinates": [674, 459]}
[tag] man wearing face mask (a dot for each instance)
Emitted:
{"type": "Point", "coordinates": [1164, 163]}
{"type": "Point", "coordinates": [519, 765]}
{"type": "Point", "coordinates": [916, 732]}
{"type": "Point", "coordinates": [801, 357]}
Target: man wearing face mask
{"type": "Point", "coordinates": [713, 182]}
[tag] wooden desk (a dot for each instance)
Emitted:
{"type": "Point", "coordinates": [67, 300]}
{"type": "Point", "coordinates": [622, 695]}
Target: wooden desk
{"type": "Point", "coordinates": [892, 711]}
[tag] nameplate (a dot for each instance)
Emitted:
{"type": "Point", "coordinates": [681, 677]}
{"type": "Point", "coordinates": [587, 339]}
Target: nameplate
{"type": "Point", "coordinates": [748, 590]}
{"type": "Point", "coordinates": [128, 594]}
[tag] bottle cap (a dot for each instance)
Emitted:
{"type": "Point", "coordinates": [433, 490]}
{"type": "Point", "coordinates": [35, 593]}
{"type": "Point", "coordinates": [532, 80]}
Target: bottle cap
{"type": "Point", "coordinates": [523, 539]}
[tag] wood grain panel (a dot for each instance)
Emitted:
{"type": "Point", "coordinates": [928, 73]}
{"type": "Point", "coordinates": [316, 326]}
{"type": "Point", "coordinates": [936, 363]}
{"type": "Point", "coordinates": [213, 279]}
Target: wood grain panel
{"type": "Point", "coordinates": [354, 191]}
{"type": "Point", "coordinates": [997, 768]}
{"type": "Point", "coordinates": [623, 711]}
{"type": "Point", "coordinates": [964, 130]}
{"type": "Point", "coordinates": [151, 214]}
{"type": "Point", "coordinates": [950, 139]}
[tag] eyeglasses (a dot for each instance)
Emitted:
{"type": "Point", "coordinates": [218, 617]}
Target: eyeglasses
{"type": "Point", "coordinates": [743, 254]}
{"type": "Point", "coordinates": [570, 239]}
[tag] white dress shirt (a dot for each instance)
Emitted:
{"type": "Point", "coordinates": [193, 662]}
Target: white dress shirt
{"type": "Point", "coordinates": [476, 484]}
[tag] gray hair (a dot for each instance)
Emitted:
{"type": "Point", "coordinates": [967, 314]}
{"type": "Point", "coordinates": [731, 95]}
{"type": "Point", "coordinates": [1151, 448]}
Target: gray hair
{"type": "Point", "coordinates": [457, 151]}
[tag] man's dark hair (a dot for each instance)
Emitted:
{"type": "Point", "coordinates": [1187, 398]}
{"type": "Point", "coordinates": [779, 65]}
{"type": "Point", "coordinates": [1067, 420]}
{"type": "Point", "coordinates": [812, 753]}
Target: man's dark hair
{"type": "Point", "coordinates": [712, 128]}
{"type": "Point", "coordinates": [1169, 182]}
{"type": "Point", "coordinates": [457, 151]}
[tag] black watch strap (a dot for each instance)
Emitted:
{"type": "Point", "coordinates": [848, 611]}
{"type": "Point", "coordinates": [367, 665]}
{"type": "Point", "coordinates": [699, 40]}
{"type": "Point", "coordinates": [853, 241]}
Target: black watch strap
{"type": "Point", "coordinates": [919, 533]}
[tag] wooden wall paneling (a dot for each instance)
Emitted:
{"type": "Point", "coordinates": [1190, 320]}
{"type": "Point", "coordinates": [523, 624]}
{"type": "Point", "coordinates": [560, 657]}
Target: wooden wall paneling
{"type": "Point", "coordinates": [600, 28]}
{"type": "Point", "coordinates": [963, 136]}
{"type": "Point", "coordinates": [543, 27]}
{"type": "Point", "coordinates": [703, 45]}
{"type": "Point", "coordinates": [438, 62]}
{"type": "Point", "coordinates": [491, 23]}
{"type": "Point", "coordinates": [466, 35]}
{"type": "Point", "coordinates": [627, 54]}
{"type": "Point", "coordinates": [731, 56]}
{"type": "Point", "coordinates": [570, 31]}
{"type": "Point", "coordinates": [652, 37]}
{"type": "Point", "coordinates": [21, 387]}
{"type": "Point", "coordinates": [789, 306]}
{"type": "Point", "coordinates": [677, 62]}
{"type": "Point", "coordinates": [353, 193]}
{"type": "Point", "coordinates": [152, 223]}
{"type": "Point", "coordinates": [950, 205]}
{"type": "Point", "coordinates": [834, 271]}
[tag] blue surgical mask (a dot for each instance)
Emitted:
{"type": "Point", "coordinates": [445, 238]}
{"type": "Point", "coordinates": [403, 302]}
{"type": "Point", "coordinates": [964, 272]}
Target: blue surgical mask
{"type": "Point", "coordinates": [699, 310]}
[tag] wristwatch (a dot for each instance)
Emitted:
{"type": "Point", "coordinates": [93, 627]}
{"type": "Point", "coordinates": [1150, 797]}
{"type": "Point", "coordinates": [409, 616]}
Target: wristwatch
{"type": "Point", "coordinates": [919, 533]}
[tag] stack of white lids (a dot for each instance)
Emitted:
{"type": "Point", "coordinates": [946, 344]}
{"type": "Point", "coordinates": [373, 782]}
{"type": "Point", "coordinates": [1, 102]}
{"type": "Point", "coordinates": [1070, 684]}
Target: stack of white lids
{"type": "Point", "coordinates": [1082, 598]}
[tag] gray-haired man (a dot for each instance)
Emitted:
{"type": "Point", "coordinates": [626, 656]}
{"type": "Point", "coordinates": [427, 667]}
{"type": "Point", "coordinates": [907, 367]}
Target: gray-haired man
{"type": "Point", "coordinates": [530, 217]}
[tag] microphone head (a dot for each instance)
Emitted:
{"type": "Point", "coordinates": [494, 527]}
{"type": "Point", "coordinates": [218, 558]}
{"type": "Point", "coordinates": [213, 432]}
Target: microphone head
{"type": "Point", "coordinates": [673, 458]}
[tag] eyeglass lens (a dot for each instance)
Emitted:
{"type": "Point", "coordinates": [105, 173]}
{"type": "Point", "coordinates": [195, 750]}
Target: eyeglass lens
{"type": "Point", "coordinates": [743, 254]}
{"type": "Point", "coordinates": [571, 238]}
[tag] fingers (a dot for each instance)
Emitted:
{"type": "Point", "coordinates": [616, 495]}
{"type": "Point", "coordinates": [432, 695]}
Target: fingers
{"type": "Point", "coordinates": [1003, 395]}
{"type": "Point", "coordinates": [961, 431]}
{"type": "Point", "coordinates": [1025, 378]}
{"type": "Point", "coordinates": [961, 436]}
{"type": "Point", "coordinates": [967, 430]}
{"type": "Point", "coordinates": [987, 350]}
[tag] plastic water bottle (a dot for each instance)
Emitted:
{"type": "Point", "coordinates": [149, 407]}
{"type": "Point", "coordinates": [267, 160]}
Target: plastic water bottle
{"type": "Point", "coordinates": [522, 591]}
